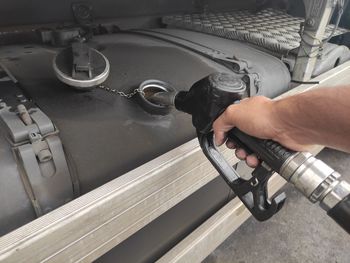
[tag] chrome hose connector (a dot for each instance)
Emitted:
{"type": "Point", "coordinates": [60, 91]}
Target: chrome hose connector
{"type": "Point", "coordinates": [315, 180]}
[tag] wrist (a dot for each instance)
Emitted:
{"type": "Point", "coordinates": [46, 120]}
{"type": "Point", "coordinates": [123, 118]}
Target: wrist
{"type": "Point", "coordinates": [280, 121]}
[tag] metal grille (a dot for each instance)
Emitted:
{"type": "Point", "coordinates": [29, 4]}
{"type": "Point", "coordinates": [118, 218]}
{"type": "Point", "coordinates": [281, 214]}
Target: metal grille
{"type": "Point", "coordinates": [272, 29]}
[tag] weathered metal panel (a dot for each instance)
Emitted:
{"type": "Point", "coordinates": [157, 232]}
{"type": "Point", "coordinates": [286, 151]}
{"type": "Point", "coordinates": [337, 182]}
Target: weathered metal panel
{"type": "Point", "coordinates": [88, 227]}
{"type": "Point", "coordinates": [17, 12]}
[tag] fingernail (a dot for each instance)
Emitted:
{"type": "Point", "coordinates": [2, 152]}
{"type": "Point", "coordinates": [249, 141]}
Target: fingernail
{"type": "Point", "coordinates": [218, 142]}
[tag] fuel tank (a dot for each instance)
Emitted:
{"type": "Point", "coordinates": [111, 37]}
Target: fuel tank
{"type": "Point", "coordinates": [101, 135]}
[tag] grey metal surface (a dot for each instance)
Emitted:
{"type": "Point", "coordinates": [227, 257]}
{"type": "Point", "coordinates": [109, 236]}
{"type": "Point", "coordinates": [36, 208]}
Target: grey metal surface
{"type": "Point", "coordinates": [332, 56]}
{"type": "Point", "coordinates": [105, 135]}
{"type": "Point", "coordinates": [19, 205]}
{"type": "Point", "coordinates": [17, 130]}
{"type": "Point", "coordinates": [49, 181]}
{"type": "Point", "coordinates": [17, 12]}
{"type": "Point", "coordinates": [113, 133]}
{"type": "Point", "coordinates": [272, 29]}
{"type": "Point", "coordinates": [38, 171]}
{"type": "Point", "coordinates": [126, 204]}
{"type": "Point", "coordinates": [252, 61]}
{"type": "Point", "coordinates": [15, 203]}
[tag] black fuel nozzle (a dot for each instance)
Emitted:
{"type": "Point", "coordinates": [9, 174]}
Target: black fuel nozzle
{"type": "Point", "coordinates": [208, 98]}
{"type": "Point", "coordinates": [166, 99]}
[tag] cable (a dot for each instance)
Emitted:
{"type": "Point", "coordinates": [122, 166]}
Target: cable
{"type": "Point", "coordinates": [306, 82]}
{"type": "Point", "coordinates": [302, 33]}
{"type": "Point", "coordinates": [340, 5]}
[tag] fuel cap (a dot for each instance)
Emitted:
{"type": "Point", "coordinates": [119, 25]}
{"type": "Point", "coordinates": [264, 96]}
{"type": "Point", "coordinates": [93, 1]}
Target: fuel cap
{"type": "Point", "coordinates": [81, 66]}
{"type": "Point", "coordinates": [227, 82]}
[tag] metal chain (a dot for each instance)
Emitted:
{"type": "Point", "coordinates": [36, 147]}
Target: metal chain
{"type": "Point", "coordinates": [121, 93]}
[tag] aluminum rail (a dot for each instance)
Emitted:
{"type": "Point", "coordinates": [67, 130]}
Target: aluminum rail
{"type": "Point", "coordinates": [91, 225]}
{"type": "Point", "coordinates": [88, 227]}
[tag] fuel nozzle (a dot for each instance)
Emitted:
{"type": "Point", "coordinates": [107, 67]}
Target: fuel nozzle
{"type": "Point", "coordinates": [205, 100]}
{"type": "Point", "coordinates": [156, 97]}
{"type": "Point", "coordinates": [163, 98]}
{"type": "Point", "coordinates": [208, 98]}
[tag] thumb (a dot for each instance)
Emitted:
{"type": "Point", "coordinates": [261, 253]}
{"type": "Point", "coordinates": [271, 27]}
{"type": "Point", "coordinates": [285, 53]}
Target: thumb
{"type": "Point", "coordinates": [222, 125]}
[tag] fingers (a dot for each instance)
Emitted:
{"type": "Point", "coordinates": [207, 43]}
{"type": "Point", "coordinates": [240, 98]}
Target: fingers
{"type": "Point", "coordinates": [231, 144]}
{"type": "Point", "coordinates": [241, 154]}
{"type": "Point", "coordinates": [220, 138]}
{"type": "Point", "coordinates": [251, 160]}
{"type": "Point", "coordinates": [224, 124]}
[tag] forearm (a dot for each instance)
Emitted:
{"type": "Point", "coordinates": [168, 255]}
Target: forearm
{"type": "Point", "coordinates": [315, 117]}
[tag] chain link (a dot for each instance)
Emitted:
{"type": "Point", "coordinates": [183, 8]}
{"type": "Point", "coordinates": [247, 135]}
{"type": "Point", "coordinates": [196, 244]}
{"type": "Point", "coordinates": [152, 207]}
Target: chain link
{"type": "Point", "coordinates": [121, 93]}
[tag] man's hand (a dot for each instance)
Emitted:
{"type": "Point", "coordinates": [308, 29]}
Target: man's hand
{"type": "Point", "coordinates": [257, 117]}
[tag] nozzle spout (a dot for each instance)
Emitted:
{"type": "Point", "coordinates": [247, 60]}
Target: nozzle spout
{"type": "Point", "coordinates": [163, 98]}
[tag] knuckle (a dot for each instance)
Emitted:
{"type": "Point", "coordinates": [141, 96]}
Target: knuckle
{"type": "Point", "coordinates": [229, 113]}
{"type": "Point", "coordinates": [216, 125]}
{"type": "Point", "coordinates": [261, 99]}
{"type": "Point", "coordinates": [230, 109]}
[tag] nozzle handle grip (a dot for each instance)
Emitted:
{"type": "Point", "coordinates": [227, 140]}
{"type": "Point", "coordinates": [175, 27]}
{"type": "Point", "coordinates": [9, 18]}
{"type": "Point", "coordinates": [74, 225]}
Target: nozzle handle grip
{"type": "Point", "coordinates": [341, 213]}
{"type": "Point", "coordinates": [272, 153]}
{"type": "Point", "coordinates": [253, 192]}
